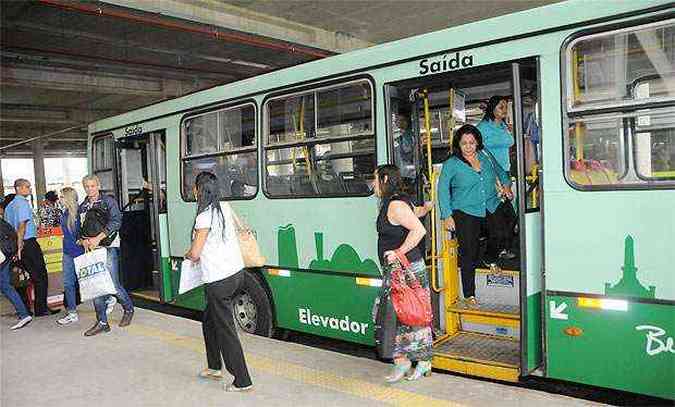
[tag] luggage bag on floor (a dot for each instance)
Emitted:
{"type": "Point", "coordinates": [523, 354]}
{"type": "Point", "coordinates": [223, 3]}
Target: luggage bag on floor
{"type": "Point", "coordinates": [384, 317]}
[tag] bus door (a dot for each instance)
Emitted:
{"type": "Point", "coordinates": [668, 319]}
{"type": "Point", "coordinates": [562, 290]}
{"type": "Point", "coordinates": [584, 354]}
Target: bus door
{"type": "Point", "coordinates": [142, 185]}
{"type": "Point", "coordinates": [527, 152]}
{"type": "Point", "coordinates": [423, 114]}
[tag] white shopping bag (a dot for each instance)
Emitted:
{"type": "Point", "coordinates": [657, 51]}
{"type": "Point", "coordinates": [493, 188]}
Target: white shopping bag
{"type": "Point", "coordinates": [93, 274]}
{"type": "Point", "coordinates": [190, 276]}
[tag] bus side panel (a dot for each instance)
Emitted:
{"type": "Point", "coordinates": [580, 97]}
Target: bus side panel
{"type": "Point", "coordinates": [534, 287]}
{"type": "Point", "coordinates": [611, 251]}
{"type": "Point", "coordinates": [629, 349]}
{"type": "Point", "coordinates": [330, 305]}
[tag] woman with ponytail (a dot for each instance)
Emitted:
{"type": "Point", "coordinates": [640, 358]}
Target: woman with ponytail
{"type": "Point", "coordinates": [215, 248]}
{"type": "Point", "coordinates": [70, 226]}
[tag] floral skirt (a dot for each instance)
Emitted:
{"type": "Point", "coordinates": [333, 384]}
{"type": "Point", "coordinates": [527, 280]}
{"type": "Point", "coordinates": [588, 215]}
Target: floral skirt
{"type": "Point", "coordinates": [414, 342]}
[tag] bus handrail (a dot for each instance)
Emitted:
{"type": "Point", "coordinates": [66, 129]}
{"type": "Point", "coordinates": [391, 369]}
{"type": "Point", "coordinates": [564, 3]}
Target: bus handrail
{"type": "Point", "coordinates": [432, 193]}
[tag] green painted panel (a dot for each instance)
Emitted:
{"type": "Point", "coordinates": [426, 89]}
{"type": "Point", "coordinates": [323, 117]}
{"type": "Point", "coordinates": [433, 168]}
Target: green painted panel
{"type": "Point", "coordinates": [167, 279]}
{"type": "Point", "coordinates": [324, 304]}
{"type": "Point", "coordinates": [193, 299]}
{"type": "Point", "coordinates": [629, 349]}
{"type": "Point", "coordinates": [534, 341]}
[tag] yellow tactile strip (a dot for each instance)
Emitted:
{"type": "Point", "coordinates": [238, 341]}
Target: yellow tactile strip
{"type": "Point", "coordinates": [319, 378]}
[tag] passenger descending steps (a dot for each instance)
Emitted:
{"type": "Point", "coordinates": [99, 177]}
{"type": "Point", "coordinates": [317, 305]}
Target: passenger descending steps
{"type": "Point", "coordinates": [481, 339]}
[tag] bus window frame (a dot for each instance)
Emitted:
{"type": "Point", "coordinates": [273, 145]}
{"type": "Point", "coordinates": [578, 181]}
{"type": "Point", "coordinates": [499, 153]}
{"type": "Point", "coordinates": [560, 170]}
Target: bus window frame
{"type": "Point", "coordinates": [315, 88]}
{"type": "Point", "coordinates": [620, 108]}
{"type": "Point", "coordinates": [254, 148]}
{"type": "Point", "coordinates": [633, 134]}
{"type": "Point", "coordinates": [113, 159]}
{"type": "Point", "coordinates": [567, 83]}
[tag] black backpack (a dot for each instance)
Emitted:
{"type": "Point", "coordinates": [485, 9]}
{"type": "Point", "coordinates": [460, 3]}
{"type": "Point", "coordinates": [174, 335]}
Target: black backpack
{"type": "Point", "coordinates": [7, 239]}
{"type": "Point", "coordinates": [94, 223]}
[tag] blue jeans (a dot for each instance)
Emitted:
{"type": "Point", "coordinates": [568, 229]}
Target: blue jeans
{"type": "Point", "coordinates": [69, 282]}
{"type": "Point", "coordinates": [8, 290]}
{"type": "Point", "coordinates": [122, 295]}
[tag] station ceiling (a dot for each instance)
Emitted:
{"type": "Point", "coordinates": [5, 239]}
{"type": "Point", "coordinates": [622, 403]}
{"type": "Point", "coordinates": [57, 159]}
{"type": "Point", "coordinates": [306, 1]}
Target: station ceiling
{"type": "Point", "coordinates": [65, 64]}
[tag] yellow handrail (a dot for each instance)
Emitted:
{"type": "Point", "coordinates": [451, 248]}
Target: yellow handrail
{"type": "Point", "coordinates": [432, 192]}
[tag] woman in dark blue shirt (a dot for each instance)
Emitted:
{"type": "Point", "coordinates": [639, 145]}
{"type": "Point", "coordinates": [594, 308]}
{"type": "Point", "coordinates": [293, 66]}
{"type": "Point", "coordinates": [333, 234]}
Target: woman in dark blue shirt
{"type": "Point", "coordinates": [70, 226]}
{"type": "Point", "coordinates": [468, 198]}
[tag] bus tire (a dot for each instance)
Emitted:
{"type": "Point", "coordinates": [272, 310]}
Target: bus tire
{"type": "Point", "coordinates": [252, 308]}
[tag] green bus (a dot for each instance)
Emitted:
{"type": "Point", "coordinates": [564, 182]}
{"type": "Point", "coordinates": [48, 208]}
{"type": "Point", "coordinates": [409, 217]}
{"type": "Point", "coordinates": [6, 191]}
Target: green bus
{"type": "Point", "coordinates": [591, 90]}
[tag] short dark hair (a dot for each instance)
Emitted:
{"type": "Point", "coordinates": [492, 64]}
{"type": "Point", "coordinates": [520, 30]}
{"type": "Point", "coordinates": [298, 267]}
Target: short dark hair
{"type": "Point", "coordinates": [20, 181]}
{"type": "Point", "coordinates": [466, 129]}
{"type": "Point", "coordinates": [491, 105]}
{"type": "Point", "coordinates": [51, 196]}
{"type": "Point", "coordinates": [393, 185]}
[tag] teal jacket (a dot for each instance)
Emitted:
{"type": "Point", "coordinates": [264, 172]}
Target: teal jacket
{"type": "Point", "coordinates": [498, 141]}
{"type": "Point", "coordinates": [462, 188]}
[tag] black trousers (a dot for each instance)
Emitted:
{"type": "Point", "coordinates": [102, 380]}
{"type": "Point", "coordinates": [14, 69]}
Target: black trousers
{"type": "Point", "coordinates": [220, 334]}
{"type": "Point", "coordinates": [32, 258]}
{"type": "Point", "coordinates": [468, 229]}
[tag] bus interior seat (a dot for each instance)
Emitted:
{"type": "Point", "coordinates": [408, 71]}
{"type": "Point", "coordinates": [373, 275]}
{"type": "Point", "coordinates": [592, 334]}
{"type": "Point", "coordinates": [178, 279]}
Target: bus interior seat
{"type": "Point", "coordinates": [278, 185]}
{"type": "Point", "coordinates": [329, 183]}
{"type": "Point", "coordinates": [354, 184]}
{"type": "Point", "coordinates": [591, 172]}
{"type": "Point", "coordinates": [301, 184]}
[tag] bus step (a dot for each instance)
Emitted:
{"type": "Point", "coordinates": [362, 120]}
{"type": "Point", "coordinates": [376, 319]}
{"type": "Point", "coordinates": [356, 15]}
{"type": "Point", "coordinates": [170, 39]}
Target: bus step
{"type": "Point", "coordinates": [498, 271]}
{"type": "Point", "coordinates": [478, 355]}
{"type": "Point", "coordinates": [502, 311]}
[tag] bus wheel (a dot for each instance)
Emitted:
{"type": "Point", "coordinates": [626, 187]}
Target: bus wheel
{"type": "Point", "coordinates": [252, 309]}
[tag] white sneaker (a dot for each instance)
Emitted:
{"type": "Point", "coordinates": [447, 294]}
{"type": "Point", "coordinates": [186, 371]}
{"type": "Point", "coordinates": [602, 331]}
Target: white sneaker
{"type": "Point", "coordinates": [68, 319]}
{"type": "Point", "coordinates": [22, 322]}
{"type": "Point", "coordinates": [110, 305]}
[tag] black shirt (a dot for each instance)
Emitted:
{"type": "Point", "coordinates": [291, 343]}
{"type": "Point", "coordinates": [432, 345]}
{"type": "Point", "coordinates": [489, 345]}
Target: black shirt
{"type": "Point", "coordinates": [391, 237]}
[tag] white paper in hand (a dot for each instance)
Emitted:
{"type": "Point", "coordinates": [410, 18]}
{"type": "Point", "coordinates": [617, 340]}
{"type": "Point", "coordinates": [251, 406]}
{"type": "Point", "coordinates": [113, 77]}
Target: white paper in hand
{"type": "Point", "coordinates": [190, 276]}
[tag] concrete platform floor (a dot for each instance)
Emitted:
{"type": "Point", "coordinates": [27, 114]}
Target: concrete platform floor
{"type": "Point", "coordinates": [154, 362]}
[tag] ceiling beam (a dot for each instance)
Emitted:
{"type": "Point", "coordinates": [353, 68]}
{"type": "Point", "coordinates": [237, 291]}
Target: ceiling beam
{"type": "Point", "coordinates": [170, 8]}
{"type": "Point", "coordinates": [189, 55]}
{"type": "Point", "coordinates": [90, 82]}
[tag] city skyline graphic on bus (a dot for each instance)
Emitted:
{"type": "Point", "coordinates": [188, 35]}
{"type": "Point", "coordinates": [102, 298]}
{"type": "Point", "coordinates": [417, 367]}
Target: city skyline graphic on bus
{"type": "Point", "coordinates": [344, 258]}
{"type": "Point", "coordinates": [629, 285]}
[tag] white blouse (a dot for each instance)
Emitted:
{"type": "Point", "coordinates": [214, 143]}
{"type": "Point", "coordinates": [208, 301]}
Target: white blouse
{"type": "Point", "coordinates": [221, 255]}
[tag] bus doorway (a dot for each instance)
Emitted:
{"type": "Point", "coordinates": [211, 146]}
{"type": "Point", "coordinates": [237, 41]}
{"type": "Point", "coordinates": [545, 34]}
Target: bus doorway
{"type": "Point", "coordinates": [483, 338]}
{"type": "Point", "coordinates": [142, 185]}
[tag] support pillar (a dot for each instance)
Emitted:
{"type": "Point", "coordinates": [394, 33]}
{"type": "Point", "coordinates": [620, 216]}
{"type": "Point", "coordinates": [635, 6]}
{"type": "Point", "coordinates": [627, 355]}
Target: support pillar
{"type": "Point", "coordinates": [39, 169]}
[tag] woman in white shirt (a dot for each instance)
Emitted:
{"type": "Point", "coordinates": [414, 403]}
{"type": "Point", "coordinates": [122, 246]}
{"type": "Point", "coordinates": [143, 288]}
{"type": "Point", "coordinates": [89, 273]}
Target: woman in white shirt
{"type": "Point", "coordinates": [215, 247]}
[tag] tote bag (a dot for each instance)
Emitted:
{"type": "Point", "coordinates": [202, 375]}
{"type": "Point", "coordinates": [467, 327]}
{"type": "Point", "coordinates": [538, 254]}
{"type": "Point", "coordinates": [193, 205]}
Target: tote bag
{"type": "Point", "coordinates": [250, 251]}
{"type": "Point", "coordinates": [93, 274]}
{"type": "Point", "coordinates": [411, 302]}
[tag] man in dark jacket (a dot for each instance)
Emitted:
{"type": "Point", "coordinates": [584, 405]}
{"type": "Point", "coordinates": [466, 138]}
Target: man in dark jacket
{"type": "Point", "coordinates": [108, 203]}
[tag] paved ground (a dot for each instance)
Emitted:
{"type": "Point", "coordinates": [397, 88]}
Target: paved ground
{"type": "Point", "coordinates": [154, 362]}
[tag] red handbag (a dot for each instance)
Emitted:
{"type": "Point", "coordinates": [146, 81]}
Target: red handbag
{"type": "Point", "coordinates": [412, 303]}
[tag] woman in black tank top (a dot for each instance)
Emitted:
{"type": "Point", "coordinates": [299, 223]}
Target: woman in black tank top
{"type": "Point", "coordinates": [400, 231]}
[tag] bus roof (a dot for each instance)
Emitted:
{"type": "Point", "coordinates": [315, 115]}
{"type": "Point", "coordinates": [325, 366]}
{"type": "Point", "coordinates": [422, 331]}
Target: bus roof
{"type": "Point", "coordinates": [551, 17]}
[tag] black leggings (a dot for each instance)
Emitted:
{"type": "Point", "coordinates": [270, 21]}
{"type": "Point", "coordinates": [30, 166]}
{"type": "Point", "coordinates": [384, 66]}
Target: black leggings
{"type": "Point", "coordinates": [468, 228]}
{"type": "Point", "coordinates": [32, 258]}
{"type": "Point", "coordinates": [220, 333]}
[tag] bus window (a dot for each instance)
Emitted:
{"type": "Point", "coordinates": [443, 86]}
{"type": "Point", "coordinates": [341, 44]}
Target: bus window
{"type": "Point", "coordinates": [222, 142]}
{"type": "Point", "coordinates": [320, 143]}
{"type": "Point", "coordinates": [102, 162]}
{"type": "Point", "coordinates": [605, 67]}
{"type": "Point", "coordinates": [622, 72]}
{"type": "Point", "coordinates": [654, 140]}
{"type": "Point", "coordinates": [596, 150]}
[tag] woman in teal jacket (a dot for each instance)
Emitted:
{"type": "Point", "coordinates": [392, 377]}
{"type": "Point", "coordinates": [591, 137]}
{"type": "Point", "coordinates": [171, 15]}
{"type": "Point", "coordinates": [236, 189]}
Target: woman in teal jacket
{"type": "Point", "coordinates": [497, 137]}
{"type": "Point", "coordinates": [468, 199]}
